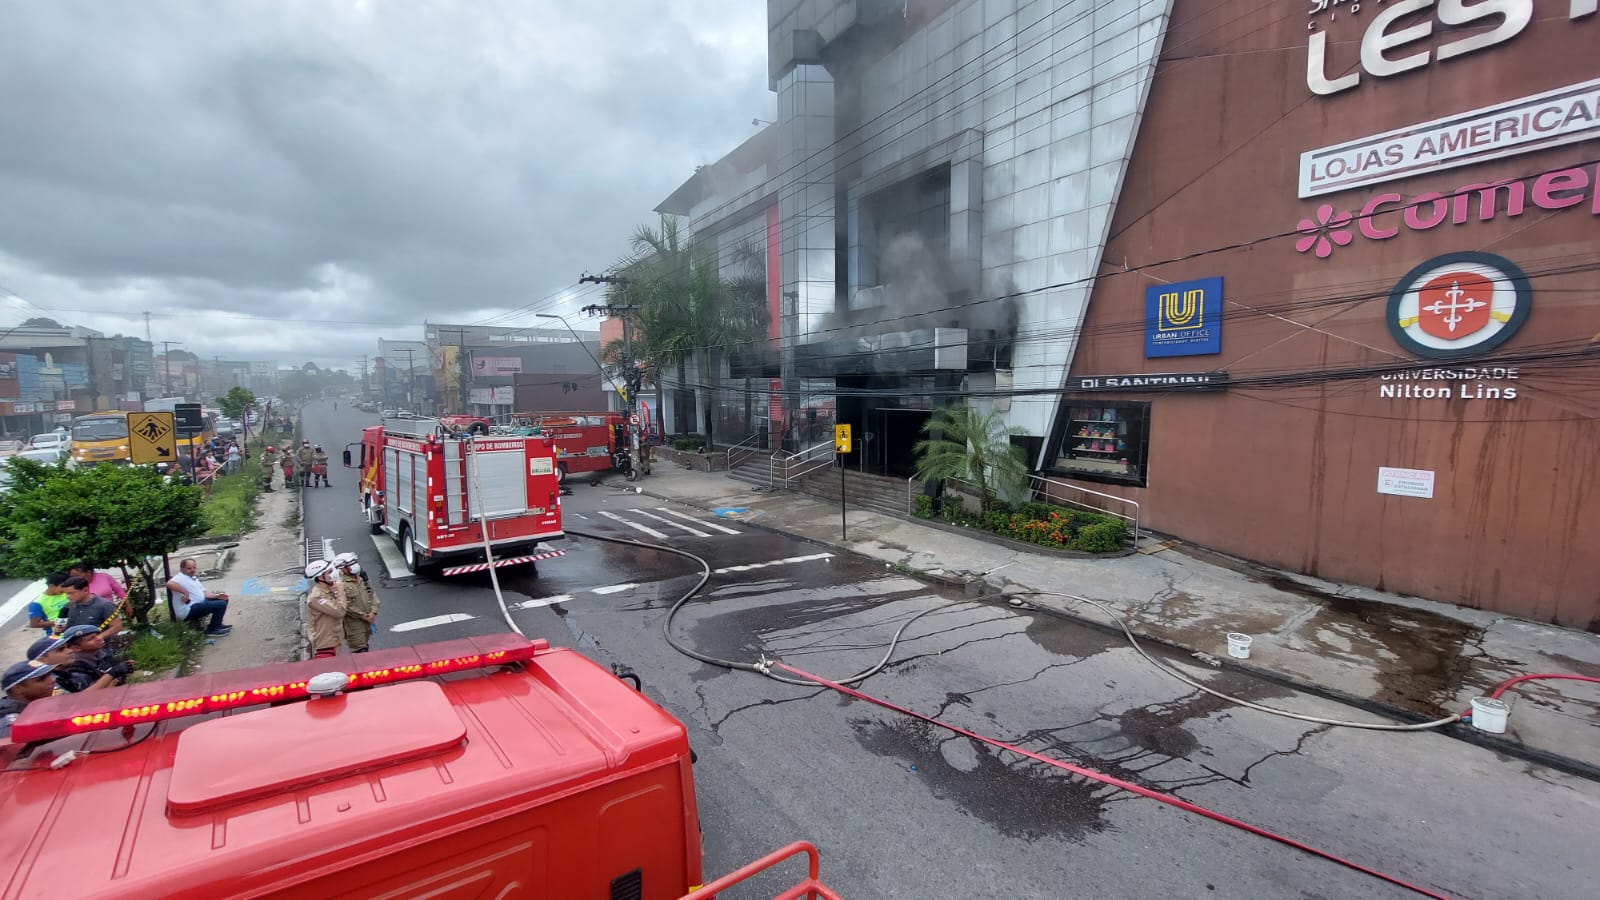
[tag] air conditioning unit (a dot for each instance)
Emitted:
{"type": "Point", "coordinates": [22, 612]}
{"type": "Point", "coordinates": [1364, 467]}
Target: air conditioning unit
{"type": "Point", "coordinates": [867, 297]}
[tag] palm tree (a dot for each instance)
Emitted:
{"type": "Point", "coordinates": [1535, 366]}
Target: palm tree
{"type": "Point", "coordinates": [687, 310]}
{"type": "Point", "coordinates": [964, 444]}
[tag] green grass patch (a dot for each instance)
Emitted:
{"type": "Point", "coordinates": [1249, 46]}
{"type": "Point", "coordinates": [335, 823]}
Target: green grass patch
{"type": "Point", "coordinates": [231, 509]}
{"type": "Point", "coordinates": [162, 648]}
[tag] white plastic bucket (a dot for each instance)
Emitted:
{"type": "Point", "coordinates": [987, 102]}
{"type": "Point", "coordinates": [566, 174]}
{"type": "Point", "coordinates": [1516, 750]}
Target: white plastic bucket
{"type": "Point", "coordinates": [1238, 645]}
{"type": "Point", "coordinates": [1489, 714]}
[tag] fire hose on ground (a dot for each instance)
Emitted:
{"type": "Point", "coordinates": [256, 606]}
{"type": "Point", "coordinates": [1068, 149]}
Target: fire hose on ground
{"type": "Point", "coordinates": [771, 669]}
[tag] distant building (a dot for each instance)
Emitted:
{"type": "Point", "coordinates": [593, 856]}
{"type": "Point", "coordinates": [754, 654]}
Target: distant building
{"type": "Point", "coordinates": [496, 370]}
{"type": "Point", "coordinates": [48, 375]}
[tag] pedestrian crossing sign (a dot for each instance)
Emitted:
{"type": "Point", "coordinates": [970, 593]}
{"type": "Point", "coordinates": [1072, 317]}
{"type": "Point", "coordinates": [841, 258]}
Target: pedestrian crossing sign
{"type": "Point", "coordinates": [152, 438]}
{"type": "Point", "coordinates": [841, 438]}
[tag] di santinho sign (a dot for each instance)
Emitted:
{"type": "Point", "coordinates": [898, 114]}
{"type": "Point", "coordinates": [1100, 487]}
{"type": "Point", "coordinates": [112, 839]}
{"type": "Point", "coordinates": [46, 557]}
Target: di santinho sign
{"type": "Point", "coordinates": [1409, 34]}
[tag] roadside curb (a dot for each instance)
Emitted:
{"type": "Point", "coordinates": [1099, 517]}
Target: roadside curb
{"type": "Point", "coordinates": [1459, 731]}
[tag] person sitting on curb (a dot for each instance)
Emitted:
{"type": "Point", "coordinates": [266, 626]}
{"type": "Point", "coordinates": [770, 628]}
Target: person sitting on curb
{"type": "Point", "coordinates": [192, 604]}
{"type": "Point", "coordinates": [23, 683]}
{"type": "Point", "coordinates": [50, 605]}
{"type": "Point", "coordinates": [89, 649]}
{"type": "Point", "coordinates": [72, 676]}
{"type": "Point", "coordinates": [325, 608]}
{"type": "Point", "coordinates": [87, 609]}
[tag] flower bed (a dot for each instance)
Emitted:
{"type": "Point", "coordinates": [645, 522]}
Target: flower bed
{"type": "Point", "coordinates": [1047, 525]}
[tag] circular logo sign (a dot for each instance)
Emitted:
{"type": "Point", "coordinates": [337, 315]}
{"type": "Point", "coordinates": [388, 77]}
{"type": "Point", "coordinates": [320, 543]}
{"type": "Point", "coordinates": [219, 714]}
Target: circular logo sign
{"type": "Point", "coordinates": [1458, 304]}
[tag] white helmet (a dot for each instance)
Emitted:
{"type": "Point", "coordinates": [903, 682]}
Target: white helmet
{"type": "Point", "coordinates": [345, 560]}
{"type": "Point", "coordinates": [316, 568]}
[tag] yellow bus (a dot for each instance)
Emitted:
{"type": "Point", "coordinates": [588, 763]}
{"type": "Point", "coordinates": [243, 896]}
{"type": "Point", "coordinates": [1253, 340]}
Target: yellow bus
{"type": "Point", "coordinates": [100, 437]}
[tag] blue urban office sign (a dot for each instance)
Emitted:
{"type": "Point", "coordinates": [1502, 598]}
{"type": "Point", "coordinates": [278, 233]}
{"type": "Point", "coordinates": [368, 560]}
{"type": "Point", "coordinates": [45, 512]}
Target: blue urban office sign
{"type": "Point", "coordinates": [1183, 319]}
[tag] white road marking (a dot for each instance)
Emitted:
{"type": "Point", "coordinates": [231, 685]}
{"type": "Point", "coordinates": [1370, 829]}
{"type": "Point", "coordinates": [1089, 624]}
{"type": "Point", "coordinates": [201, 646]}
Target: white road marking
{"type": "Point", "coordinates": [701, 522]}
{"type": "Point", "coordinates": [20, 600]}
{"type": "Point", "coordinates": [431, 621]}
{"type": "Point", "coordinates": [777, 562]}
{"type": "Point", "coordinates": [634, 525]}
{"type": "Point", "coordinates": [542, 601]}
{"type": "Point", "coordinates": [615, 588]}
{"type": "Point", "coordinates": [392, 560]}
{"type": "Point", "coordinates": [665, 521]}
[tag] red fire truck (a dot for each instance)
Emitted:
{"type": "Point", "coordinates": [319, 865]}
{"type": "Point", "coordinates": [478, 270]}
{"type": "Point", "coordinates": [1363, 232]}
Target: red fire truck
{"type": "Point", "coordinates": [490, 766]}
{"type": "Point", "coordinates": [585, 441]}
{"type": "Point", "coordinates": [431, 490]}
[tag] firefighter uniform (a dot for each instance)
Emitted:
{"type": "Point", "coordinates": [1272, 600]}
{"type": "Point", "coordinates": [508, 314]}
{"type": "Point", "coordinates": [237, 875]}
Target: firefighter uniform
{"type": "Point", "coordinates": [268, 460]}
{"type": "Point", "coordinates": [360, 601]}
{"type": "Point", "coordinates": [303, 458]}
{"type": "Point", "coordinates": [325, 610]}
{"type": "Point", "coordinates": [319, 460]}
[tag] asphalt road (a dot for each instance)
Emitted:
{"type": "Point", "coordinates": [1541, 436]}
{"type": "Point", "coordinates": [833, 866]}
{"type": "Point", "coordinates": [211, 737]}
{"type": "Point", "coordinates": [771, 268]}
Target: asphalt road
{"type": "Point", "coordinates": [902, 809]}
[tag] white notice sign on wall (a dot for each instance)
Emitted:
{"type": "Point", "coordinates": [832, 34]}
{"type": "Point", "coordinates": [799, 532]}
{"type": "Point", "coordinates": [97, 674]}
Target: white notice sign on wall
{"type": "Point", "coordinates": [1405, 482]}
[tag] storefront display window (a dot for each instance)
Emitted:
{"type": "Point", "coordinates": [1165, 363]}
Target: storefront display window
{"type": "Point", "coordinates": [1105, 442]}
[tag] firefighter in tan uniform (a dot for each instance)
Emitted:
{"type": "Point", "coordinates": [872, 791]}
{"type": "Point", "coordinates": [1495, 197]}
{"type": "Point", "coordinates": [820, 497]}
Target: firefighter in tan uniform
{"type": "Point", "coordinates": [269, 461]}
{"type": "Point", "coordinates": [361, 602]}
{"type": "Point", "coordinates": [325, 608]}
{"type": "Point", "coordinates": [303, 457]}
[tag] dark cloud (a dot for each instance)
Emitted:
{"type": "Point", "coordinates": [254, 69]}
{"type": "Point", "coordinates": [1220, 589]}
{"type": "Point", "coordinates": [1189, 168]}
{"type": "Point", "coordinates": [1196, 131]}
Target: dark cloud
{"type": "Point", "coordinates": [366, 161]}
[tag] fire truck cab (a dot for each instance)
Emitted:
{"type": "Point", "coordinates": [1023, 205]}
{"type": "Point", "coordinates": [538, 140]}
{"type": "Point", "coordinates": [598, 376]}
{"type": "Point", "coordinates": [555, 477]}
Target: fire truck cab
{"type": "Point", "coordinates": [435, 491]}
{"type": "Point", "coordinates": [481, 767]}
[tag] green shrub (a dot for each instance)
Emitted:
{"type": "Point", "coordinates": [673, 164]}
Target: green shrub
{"type": "Point", "coordinates": [163, 647]}
{"type": "Point", "coordinates": [1106, 536]}
{"type": "Point", "coordinates": [923, 505]}
{"type": "Point", "coordinates": [687, 445]}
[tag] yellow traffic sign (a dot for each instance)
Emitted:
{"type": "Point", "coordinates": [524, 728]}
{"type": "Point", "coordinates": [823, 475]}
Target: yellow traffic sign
{"type": "Point", "coordinates": [841, 438]}
{"type": "Point", "coordinates": [152, 438]}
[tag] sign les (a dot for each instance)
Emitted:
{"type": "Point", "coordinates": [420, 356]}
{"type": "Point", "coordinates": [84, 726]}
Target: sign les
{"type": "Point", "coordinates": [1385, 43]}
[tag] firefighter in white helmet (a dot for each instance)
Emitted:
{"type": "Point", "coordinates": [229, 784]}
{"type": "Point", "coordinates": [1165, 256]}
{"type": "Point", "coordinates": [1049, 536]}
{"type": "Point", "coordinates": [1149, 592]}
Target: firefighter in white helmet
{"type": "Point", "coordinates": [361, 602]}
{"type": "Point", "coordinates": [325, 608]}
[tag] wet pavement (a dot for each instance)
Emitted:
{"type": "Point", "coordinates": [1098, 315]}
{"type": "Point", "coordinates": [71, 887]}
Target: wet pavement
{"type": "Point", "coordinates": [902, 809]}
{"type": "Point", "coordinates": [1410, 658]}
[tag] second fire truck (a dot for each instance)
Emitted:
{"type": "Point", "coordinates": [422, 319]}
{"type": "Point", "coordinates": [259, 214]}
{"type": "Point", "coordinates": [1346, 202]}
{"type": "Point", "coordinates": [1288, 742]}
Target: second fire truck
{"type": "Point", "coordinates": [436, 494]}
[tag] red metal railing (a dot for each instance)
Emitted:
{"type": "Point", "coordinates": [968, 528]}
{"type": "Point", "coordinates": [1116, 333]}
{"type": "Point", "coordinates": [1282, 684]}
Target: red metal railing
{"type": "Point", "coordinates": [811, 888]}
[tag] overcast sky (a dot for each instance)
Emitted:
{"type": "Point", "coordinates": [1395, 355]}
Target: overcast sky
{"type": "Point", "coordinates": [364, 161]}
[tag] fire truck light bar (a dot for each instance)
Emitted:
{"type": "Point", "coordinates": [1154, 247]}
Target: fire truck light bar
{"type": "Point", "coordinates": [194, 695]}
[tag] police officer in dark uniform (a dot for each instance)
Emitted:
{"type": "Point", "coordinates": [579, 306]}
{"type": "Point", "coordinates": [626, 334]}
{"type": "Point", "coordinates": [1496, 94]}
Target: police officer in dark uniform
{"type": "Point", "coordinates": [22, 684]}
{"type": "Point", "coordinates": [92, 656]}
{"type": "Point", "coordinates": [72, 675]}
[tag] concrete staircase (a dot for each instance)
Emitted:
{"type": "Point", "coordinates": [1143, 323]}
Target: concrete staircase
{"type": "Point", "coordinates": [879, 493]}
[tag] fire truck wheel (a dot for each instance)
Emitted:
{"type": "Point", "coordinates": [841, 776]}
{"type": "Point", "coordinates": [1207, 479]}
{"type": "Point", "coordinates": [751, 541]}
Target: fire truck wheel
{"type": "Point", "coordinates": [561, 473]}
{"type": "Point", "coordinates": [408, 548]}
{"type": "Point", "coordinates": [377, 526]}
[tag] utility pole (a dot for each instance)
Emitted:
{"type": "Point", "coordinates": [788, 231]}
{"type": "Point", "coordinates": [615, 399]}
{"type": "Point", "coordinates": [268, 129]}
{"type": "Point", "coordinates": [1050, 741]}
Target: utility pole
{"type": "Point", "coordinates": [411, 381]}
{"type": "Point", "coordinates": [630, 367]}
{"type": "Point", "coordinates": [463, 367]}
{"type": "Point", "coordinates": [147, 328]}
{"type": "Point", "coordinates": [166, 365]}
{"type": "Point", "coordinates": [364, 385]}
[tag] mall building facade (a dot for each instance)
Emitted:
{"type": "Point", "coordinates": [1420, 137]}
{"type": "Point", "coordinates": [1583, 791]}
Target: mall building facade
{"type": "Point", "coordinates": [1314, 283]}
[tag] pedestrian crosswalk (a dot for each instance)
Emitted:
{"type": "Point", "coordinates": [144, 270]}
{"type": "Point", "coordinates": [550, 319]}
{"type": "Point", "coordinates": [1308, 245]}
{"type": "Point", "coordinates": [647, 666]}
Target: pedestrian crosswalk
{"type": "Point", "coordinates": [664, 523]}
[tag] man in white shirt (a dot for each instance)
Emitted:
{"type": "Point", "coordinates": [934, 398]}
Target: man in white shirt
{"type": "Point", "coordinates": [191, 602]}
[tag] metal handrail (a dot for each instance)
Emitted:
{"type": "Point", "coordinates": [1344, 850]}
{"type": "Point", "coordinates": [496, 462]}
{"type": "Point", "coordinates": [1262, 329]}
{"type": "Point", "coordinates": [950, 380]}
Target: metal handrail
{"type": "Point", "coordinates": [822, 451]}
{"type": "Point", "coordinates": [1039, 486]}
{"type": "Point", "coordinates": [748, 446]}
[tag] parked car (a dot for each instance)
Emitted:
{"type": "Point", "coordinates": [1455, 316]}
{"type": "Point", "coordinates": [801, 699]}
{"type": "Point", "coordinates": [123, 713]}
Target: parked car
{"type": "Point", "coordinates": [54, 440]}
